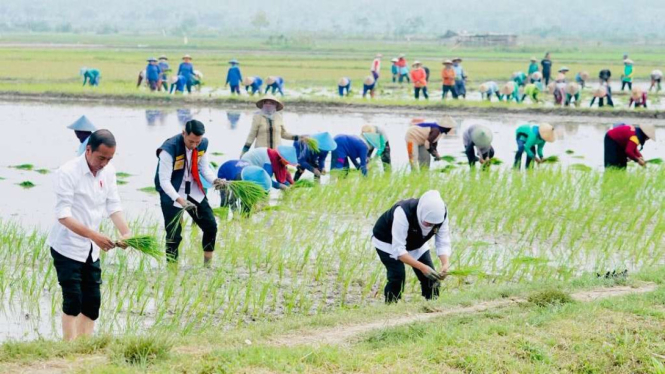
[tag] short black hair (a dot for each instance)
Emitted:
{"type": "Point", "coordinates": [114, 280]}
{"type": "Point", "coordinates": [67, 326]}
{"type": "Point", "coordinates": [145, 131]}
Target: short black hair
{"type": "Point", "coordinates": [195, 127]}
{"type": "Point", "coordinates": [100, 137]}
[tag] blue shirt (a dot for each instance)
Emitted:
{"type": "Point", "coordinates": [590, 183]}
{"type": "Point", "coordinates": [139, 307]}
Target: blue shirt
{"type": "Point", "coordinates": [186, 70]}
{"type": "Point", "coordinates": [308, 159]}
{"type": "Point", "coordinates": [258, 82]}
{"type": "Point", "coordinates": [152, 72]}
{"type": "Point", "coordinates": [459, 72]}
{"type": "Point", "coordinates": [352, 147]}
{"type": "Point", "coordinates": [234, 77]}
{"type": "Point", "coordinates": [164, 67]}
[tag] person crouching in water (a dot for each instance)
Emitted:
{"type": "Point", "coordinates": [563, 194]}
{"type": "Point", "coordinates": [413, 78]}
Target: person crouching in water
{"type": "Point", "coordinates": [638, 97]}
{"type": "Point", "coordinates": [478, 137]}
{"type": "Point", "coordinates": [656, 78]}
{"type": "Point", "coordinates": [400, 237]}
{"type": "Point", "coordinates": [622, 142]}
{"type": "Point", "coordinates": [344, 87]}
{"type": "Point", "coordinates": [573, 92]}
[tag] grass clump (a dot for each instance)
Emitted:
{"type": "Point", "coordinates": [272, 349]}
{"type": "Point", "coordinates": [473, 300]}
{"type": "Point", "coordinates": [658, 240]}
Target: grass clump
{"type": "Point", "coordinates": [146, 244]}
{"type": "Point", "coordinates": [27, 184]}
{"type": "Point", "coordinates": [141, 350]}
{"type": "Point", "coordinates": [569, 151]}
{"type": "Point", "coordinates": [550, 297]}
{"type": "Point", "coordinates": [24, 167]}
{"type": "Point", "coordinates": [580, 167]}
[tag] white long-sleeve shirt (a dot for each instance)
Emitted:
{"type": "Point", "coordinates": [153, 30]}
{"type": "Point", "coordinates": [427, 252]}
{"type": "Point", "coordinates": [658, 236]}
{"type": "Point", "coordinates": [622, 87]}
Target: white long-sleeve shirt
{"type": "Point", "coordinates": [85, 197]}
{"type": "Point", "coordinates": [166, 170]}
{"type": "Point", "coordinates": [400, 231]}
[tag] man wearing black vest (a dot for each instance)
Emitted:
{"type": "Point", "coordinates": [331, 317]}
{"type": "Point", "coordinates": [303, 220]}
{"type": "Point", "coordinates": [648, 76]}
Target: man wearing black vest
{"type": "Point", "coordinates": [182, 163]}
{"type": "Point", "coordinates": [400, 237]}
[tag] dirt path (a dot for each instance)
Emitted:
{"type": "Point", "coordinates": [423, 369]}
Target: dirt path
{"type": "Point", "coordinates": [345, 334]}
{"type": "Point", "coordinates": [328, 336]}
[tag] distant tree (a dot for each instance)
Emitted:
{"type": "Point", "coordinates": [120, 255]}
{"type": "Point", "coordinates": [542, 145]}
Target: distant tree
{"type": "Point", "coordinates": [260, 20]}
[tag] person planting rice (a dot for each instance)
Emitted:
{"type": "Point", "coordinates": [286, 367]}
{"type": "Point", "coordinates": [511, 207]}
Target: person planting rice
{"type": "Point", "coordinates": [604, 76]}
{"type": "Point", "coordinates": [234, 77]}
{"type": "Point", "coordinates": [511, 91]}
{"type": "Point", "coordinates": [533, 68]}
{"type": "Point", "coordinates": [376, 67]}
{"type": "Point", "coordinates": [394, 69]}
{"type": "Point", "coordinates": [559, 92]}
{"type": "Point", "coordinates": [532, 139]}
{"type": "Point", "coordinates": [460, 78]}
{"type": "Point", "coordinates": [186, 74]}
{"type": "Point", "coordinates": [488, 89]}
{"type": "Point", "coordinates": [253, 83]}
{"type": "Point", "coordinates": [573, 92]}
{"type": "Point", "coordinates": [268, 125]}
{"type": "Point", "coordinates": [419, 79]}
{"type": "Point", "coordinates": [536, 77]}
{"type": "Point", "coordinates": [400, 237]}
{"type": "Point", "coordinates": [377, 139]}
{"type": "Point", "coordinates": [532, 91]}
{"type": "Point", "coordinates": [275, 163]}
{"type": "Point", "coordinates": [477, 139]}
{"type": "Point", "coordinates": [165, 69]}
{"type": "Point", "coordinates": [601, 93]}
{"type": "Point", "coordinates": [561, 77]}
{"type": "Point", "coordinates": [182, 161]}
{"type": "Point", "coordinates": [153, 74]}
{"type": "Point", "coordinates": [656, 78]}
{"type": "Point", "coordinates": [369, 85]}
{"type": "Point", "coordinates": [622, 141]}
{"type": "Point", "coordinates": [628, 72]}
{"type": "Point", "coordinates": [519, 78]}
{"type": "Point", "coordinates": [344, 87]}
{"type": "Point", "coordinates": [240, 170]}
{"type": "Point", "coordinates": [448, 77]}
{"type": "Point", "coordinates": [83, 128]}
{"type": "Point", "coordinates": [314, 160]}
{"type": "Point", "coordinates": [86, 191]}
{"type": "Point", "coordinates": [422, 140]}
{"type": "Point", "coordinates": [403, 68]}
{"type": "Point", "coordinates": [90, 76]}
{"type": "Point", "coordinates": [546, 64]}
{"type": "Point", "coordinates": [276, 84]}
{"type": "Point", "coordinates": [178, 84]}
{"type": "Point", "coordinates": [581, 78]}
{"type": "Point", "coordinates": [638, 97]}
{"type": "Point", "coordinates": [349, 148]}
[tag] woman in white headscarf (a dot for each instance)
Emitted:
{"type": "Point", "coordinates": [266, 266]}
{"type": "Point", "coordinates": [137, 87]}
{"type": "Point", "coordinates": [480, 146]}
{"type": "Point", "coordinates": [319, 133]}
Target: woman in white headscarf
{"type": "Point", "coordinates": [400, 236]}
{"type": "Point", "coordinates": [268, 129]}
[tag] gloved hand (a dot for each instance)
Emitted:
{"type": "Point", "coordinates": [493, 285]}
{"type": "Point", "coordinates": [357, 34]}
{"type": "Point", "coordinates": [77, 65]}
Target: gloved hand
{"type": "Point", "coordinates": [219, 183]}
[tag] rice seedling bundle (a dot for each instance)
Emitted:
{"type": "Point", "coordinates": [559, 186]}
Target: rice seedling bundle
{"type": "Point", "coordinates": [655, 161]}
{"type": "Point", "coordinates": [569, 151]}
{"type": "Point", "coordinates": [121, 174]}
{"type": "Point", "coordinates": [304, 183]}
{"type": "Point", "coordinates": [312, 144]}
{"type": "Point", "coordinates": [249, 193]}
{"type": "Point", "coordinates": [551, 159]}
{"type": "Point", "coordinates": [465, 272]}
{"type": "Point", "coordinates": [24, 167]}
{"type": "Point", "coordinates": [495, 161]}
{"type": "Point", "coordinates": [146, 244]}
{"type": "Point", "coordinates": [42, 171]}
{"type": "Point", "coordinates": [26, 184]}
{"type": "Point", "coordinates": [448, 158]}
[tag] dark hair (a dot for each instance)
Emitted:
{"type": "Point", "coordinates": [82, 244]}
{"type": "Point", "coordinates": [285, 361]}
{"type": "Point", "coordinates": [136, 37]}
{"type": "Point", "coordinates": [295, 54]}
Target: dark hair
{"type": "Point", "coordinates": [100, 137]}
{"type": "Point", "coordinates": [195, 127]}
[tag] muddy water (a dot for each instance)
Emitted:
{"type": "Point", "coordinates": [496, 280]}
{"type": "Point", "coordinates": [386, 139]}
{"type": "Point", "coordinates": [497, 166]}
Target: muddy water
{"type": "Point", "coordinates": [40, 138]}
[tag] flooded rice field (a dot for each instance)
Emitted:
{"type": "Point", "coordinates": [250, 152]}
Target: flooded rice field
{"type": "Point", "coordinates": [42, 140]}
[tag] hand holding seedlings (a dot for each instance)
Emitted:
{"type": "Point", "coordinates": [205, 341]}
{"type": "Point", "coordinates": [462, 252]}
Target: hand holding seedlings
{"type": "Point", "coordinates": [121, 243]}
{"type": "Point", "coordinates": [189, 207]}
{"type": "Point", "coordinates": [103, 241]}
{"type": "Point", "coordinates": [219, 183]}
{"type": "Point", "coordinates": [430, 273]}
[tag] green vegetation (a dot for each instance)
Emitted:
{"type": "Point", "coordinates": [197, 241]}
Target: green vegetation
{"type": "Point", "coordinates": [122, 175]}
{"type": "Point", "coordinates": [24, 167]}
{"type": "Point", "coordinates": [149, 189]}
{"type": "Point", "coordinates": [146, 244]}
{"type": "Point", "coordinates": [27, 184]}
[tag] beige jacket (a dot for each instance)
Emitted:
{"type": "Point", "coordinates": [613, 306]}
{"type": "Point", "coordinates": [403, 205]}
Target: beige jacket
{"type": "Point", "coordinates": [260, 132]}
{"type": "Point", "coordinates": [419, 136]}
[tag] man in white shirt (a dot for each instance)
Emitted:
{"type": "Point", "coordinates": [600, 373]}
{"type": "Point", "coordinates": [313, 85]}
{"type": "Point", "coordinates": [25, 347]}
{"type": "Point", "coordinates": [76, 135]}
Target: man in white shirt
{"type": "Point", "coordinates": [182, 163]}
{"type": "Point", "coordinates": [86, 192]}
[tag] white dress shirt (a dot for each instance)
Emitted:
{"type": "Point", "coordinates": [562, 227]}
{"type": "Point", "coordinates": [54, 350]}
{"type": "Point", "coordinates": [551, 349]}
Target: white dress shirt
{"type": "Point", "coordinates": [86, 198]}
{"type": "Point", "coordinates": [400, 231]}
{"type": "Point", "coordinates": [166, 170]}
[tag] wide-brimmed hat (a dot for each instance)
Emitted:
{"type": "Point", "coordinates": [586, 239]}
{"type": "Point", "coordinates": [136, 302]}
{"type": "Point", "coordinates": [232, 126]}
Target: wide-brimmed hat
{"type": "Point", "coordinates": [343, 82]}
{"type": "Point", "coordinates": [369, 80]}
{"type": "Point", "coordinates": [270, 80]}
{"type": "Point", "coordinates": [185, 57]}
{"type": "Point", "coordinates": [657, 73]}
{"type": "Point", "coordinates": [447, 62]}
{"type": "Point", "coordinates": [481, 136]}
{"type": "Point", "coordinates": [536, 75]}
{"type": "Point", "coordinates": [447, 122]}
{"type": "Point", "coordinates": [546, 131]}
{"type": "Point", "coordinates": [162, 57]}
{"type": "Point", "coordinates": [636, 92]}
{"type": "Point", "coordinates": [457, 59]}
{"type": "Point", "coordinates": [326, 141]}
{"type": "Point", "coordinates": [417, 121]}
{"type": "Point", "coordinates": [508, 88]}
{"type": "Point", "coordinates": [563, 68]}
{"type": "Point", "coordinates": [483, 88]}
{"type": "Point", "coordinates": [394, 59]}
{"type": "Point", "coordinates": [628, 61]}
{"type": "Point", "coordinates": [373, 139]}
{"type": "Point", "coordinates": [368, 129]}
{"type": "Point", "coordinates": [649, 130]}
{"type": "Point", "coordinates": [600, 92]}
{"type": "Point", "coordinates": [572, 88]}
{"type": "Point", "coordinates": [288, 152]}
{"type": "Point", "coordinates": [534, 59]}
{"type": "Point", "coordinates": [584, 75]}
{"type": "Point", "coordinates": [151, 59]}
{"type": "Point", "coordinates": [233, 61]}
{"type": "Point", "coordinates": [82, 124]}
{"type": "Point", "coordinates": [258, 175]}
{"type": "Point", "coordinates": [416, 63]}
{"type": "Point", "coordinates": [261, 101]}
{"type": "Point", "coordinates": [248, 81]}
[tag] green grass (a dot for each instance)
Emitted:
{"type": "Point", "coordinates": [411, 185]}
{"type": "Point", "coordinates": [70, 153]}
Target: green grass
{"type": "Point", "coordinates": [122, 175]}
{"type": "Point", "coordinates": [27, 184]}
{"type": "Point", "coordinates": [24, 167]}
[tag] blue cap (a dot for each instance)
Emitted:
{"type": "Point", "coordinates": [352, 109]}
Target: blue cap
{"type": "Point", "coordinates": [326, 141]}
{"type": "Point", "coordinates": [82, 124]}
{"type": "Point", "coordinates": [257, 175]}
{"type": "Point", "coordinates": [288, 152]}
{"type": "Point", "coordinates": [373, 139]}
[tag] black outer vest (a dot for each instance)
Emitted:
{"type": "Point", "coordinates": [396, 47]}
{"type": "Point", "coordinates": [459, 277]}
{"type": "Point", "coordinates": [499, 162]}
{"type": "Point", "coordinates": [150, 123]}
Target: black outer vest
{"type": "Point", "coordinates": [415, 239]}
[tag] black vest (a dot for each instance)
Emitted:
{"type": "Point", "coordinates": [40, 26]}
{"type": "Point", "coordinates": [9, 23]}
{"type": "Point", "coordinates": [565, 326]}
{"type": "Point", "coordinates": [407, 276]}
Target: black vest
{"type": "Point", "coordinates": [415, 239]}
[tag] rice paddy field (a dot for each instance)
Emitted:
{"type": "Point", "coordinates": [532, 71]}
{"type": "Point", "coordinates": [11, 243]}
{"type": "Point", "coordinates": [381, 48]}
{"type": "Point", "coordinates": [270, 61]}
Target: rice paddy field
{"type": "Point", "coordinates": [555, 269]}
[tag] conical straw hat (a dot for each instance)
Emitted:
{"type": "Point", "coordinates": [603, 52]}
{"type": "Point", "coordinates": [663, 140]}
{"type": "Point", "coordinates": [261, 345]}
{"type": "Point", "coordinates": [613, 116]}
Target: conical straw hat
{"type": "Point", "coordinates": [546, 132]}
{"type": "Point", "coordinates": [261, 101]}
{"type": "Point", "coordinates": [649, 130]}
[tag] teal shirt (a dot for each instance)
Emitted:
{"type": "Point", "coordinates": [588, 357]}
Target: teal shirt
{"type": "Point", "coordinates": [533, 68]}
{"type": "Point", "coordinates": [628, 73]}
{"type": "Point", "coordinates": [532, 139]}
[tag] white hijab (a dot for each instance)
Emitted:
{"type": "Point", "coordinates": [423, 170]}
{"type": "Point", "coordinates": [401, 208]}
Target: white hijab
{"type": "Point", "coordinates": [431, 209]}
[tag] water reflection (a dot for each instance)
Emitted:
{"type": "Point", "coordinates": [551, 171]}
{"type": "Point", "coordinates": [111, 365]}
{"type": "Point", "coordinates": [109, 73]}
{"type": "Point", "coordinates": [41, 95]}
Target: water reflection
{"type": "Point", "coordinates": [154, 115]}
{"type": "Point", "coordinates": [233, 118]}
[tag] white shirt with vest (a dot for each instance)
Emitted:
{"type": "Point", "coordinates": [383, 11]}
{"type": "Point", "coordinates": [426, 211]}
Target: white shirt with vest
{"type": "Point", "coordinates": [166, 167]}
{"type": "Point", "coordinates": [88, 199]}
{"type": "Point", "coordinates": [400, 231]}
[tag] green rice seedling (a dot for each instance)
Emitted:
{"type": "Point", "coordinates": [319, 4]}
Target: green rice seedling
{"type": "Point", "coordinates": [312, 144]}
{"type": "Point", "coordinates": [569, 151]}
{"type": "Point", "coordinates": [27, 184]}
{"type": "Point", "coordinates": [141, 350]}
{"type": "Point", "coordinates": [304, 183]}
{"type": "Point", "coordinates": [121, 182]}
{"type": "Point", "coordinates": [24, 167]}
{"type": "Point", "coordinates": [466, 271]}
{"type": "Point", "coordinates": [42, 171]}
{"type": "Point", "coordinates": [146, 244]}
{"type": "Point", "coordinates": [580, 167]}
{"type": "Point", "coordinates": [217, 154]}
{"type": "Point", "coordinates": [551, 159]}
{"type": "Point", "coordinates": [495, 161]}
{"type": "Point", "coordinates": [448, 158]}
{"type": "Point", "coordinates": [248, 193]}
{"type": "Point", "coordinates": [122, 175]}
{"type": "Point", "coordinates": [655, 161]}
{"type": "Point", "coordinates": [149, 189]}
{"type": "Point", "coordinates": [446, 169]}
{"type": "Point", "coordinates": [579, 157]}
{"type": "Point", "coordinates": [214, 164]}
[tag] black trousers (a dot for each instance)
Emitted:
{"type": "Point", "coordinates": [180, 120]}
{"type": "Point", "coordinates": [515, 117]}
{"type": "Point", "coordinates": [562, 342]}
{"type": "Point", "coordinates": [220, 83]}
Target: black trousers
{"type": "Point", "coordinates": [615, 155]}
{"type": "Point", "coordinates": [417, 90]}
{"type": "Point", "coordinates": [521, 150]}
{"type": "Point", "coordinates": [624, 84]}
{"type": "Point", "coordinates": [80, 283]}
{"type": "Point", "coordinates": [397, 277]}
{"type": "Point", "coordinates": [204, 219]}
{"type": "Point", "coordinates": [450, 89]}
{"type": "Point", "coordinates": [385, 157]}
{"type": "Point", "coordinates": [471, 154]}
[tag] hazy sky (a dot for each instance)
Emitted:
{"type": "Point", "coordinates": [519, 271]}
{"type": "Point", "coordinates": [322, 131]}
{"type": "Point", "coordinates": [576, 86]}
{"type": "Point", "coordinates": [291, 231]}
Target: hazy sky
{"type": "Point", "coordinates": [599, 19]}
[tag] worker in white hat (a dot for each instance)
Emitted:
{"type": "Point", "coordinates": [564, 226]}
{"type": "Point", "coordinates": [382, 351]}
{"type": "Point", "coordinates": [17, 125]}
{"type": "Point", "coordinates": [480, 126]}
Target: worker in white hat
{"type": "Point", "coordinates": [531, 139]}
{"type": "Point", "coordinates": [477, 141]}
{"type": "Point", "coordinates": [638, 97]}
{"type": "Point", "coordinates": [656, 78]}
{"type": "Point", "coordinates": [488, 89]}
{"type": "Point", "coordinates": [622, 143]}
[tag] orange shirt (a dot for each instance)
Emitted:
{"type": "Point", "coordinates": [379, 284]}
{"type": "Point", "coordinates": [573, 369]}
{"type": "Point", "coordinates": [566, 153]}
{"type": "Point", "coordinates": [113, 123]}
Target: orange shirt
{"type": "Point", "coordinates": [418, 77]}
{"type": "Point", "coordinates": [448, 76]}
